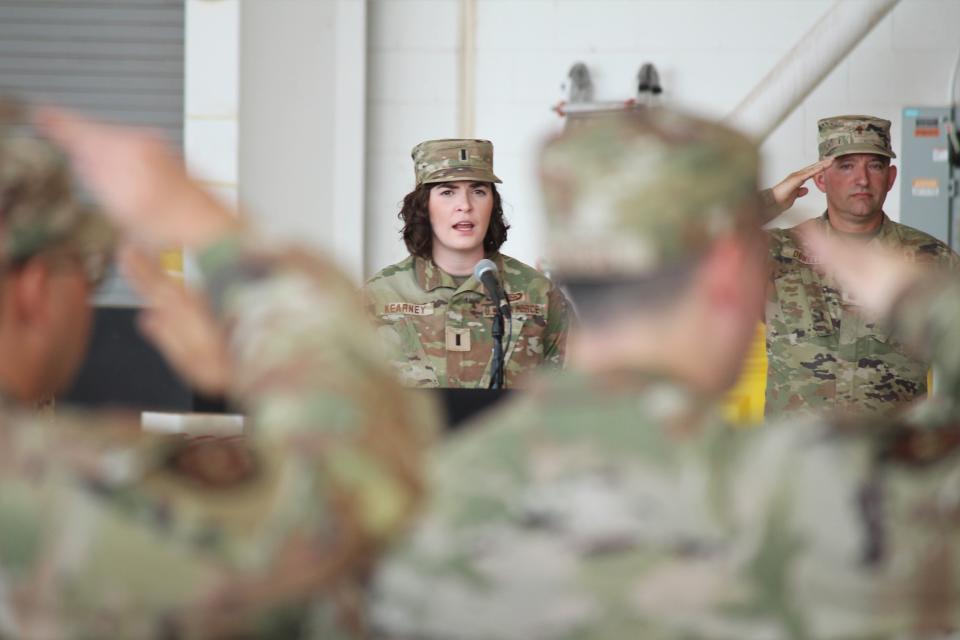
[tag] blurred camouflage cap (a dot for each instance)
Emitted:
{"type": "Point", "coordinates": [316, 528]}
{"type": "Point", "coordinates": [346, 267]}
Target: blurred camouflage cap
{"type": "Point", "coordinates": [842, 135]}
{"type": "Point", "coordinates": [629, 194]}
{"type": "Point", "coordinates": [453, 159]}
{"type": "Point", "coordinates": [39, 206]}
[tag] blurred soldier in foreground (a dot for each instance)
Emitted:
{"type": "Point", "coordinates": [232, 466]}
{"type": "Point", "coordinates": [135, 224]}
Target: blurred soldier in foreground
{"type": "Point", "coordinates": [824, 353]}
{"type": "Point", "coordinates": [612, 502]}
{"type": "Point", "coordinates": [106, 532]}
{"type": "Point", "coordinates": [53, 251]}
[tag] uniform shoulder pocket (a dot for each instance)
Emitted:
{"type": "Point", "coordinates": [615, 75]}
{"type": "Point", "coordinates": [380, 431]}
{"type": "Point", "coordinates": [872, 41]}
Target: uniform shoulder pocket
{"type": "Point", "coordinates": [801, 305]}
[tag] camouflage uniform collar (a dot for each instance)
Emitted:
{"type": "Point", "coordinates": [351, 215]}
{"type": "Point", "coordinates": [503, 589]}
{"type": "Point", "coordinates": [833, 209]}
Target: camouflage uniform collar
{"type": "Point", "coordinates": [883, 232]}
{"type": "Point", "coordinates": [888, 231]}
{"type": "Point", "coordinates": [430, 276]}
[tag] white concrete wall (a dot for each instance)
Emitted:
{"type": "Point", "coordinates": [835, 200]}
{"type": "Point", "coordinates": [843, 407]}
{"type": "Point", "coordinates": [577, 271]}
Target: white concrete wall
{"type": "Point", "coordinates": [411, 96]}
{"type": "Point", "coordinates": [302, 122]}
{"type": "Point", "coordinates": [710, 53]}
{"type": "Point", "coordinates": [211, 105]}
{"type": "Point", "coordinates": [212, 93]}
{"type": "Point", "coordinates": [286, 116]}
{"type": "Point", "coordinates": [275, 103]}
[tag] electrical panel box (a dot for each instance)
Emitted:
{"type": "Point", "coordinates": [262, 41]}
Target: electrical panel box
{"type": "Point", "coordinates": [927, 188]}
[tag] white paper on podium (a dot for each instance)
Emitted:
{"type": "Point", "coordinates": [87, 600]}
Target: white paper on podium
{"type": "Point", "coordinates": [218, 424]}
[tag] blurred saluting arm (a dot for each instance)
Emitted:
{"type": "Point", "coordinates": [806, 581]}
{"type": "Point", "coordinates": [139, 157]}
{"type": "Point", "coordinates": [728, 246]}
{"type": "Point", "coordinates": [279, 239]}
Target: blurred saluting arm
{"type": "Point", "coordinates": [921, 302]}
{"type": "Point", "coordinates": [321, 403]}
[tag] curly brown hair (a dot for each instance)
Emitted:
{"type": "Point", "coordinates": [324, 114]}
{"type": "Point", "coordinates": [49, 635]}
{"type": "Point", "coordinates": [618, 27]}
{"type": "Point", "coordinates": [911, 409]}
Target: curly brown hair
{"type": "Point", "coordinates": [418, 235]}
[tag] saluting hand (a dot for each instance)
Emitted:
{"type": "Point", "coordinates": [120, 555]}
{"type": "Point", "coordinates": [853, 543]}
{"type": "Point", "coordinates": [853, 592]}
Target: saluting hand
{"type": "Point", "coordinates": [790, 188]}
{"type": "Point", "coordinates": [138, 179]}
{"type": "Point", "coordinates": [180, 323]}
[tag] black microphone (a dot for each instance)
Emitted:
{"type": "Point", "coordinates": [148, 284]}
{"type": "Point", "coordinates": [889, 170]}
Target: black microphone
{"type": "Point", "coordinates": [486, 272]}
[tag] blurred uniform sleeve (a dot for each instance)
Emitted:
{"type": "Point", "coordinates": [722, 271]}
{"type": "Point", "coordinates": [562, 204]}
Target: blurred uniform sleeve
{"type": "Point", "coordinates": [558, 327]}
{"type": "Point", "coordinates": [927, 319]}
{"type": "Point", "coordinates": [768, 206]}
{"type": "Point", "coordinates": [861, 532]}
{"type": "Point", "coordinates": [307, 366]}
{"type": "Point", "coordinates": [108, 532]}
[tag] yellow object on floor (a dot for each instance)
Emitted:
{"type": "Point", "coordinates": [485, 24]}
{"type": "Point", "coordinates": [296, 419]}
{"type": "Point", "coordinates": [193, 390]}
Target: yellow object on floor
{"type": "Point", "coordinates": [744, 403]}
{"type": "Point", "coordinates": [172, 263]}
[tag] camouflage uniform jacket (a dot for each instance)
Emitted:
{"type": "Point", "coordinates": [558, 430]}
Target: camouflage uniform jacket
{"type": "Point", "coordinates": [108, 532]}
{"type": "Point", "coordinates": [621, 507]}
{"type": "Point", "coordinates": [439, 333]}
{"type": "Point", "coordinates": [822, 354]}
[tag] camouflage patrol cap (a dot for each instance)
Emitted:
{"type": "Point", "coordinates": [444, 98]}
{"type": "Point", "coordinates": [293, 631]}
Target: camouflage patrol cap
{"type": "Point", "coordinates": [39, 206]}
{"type": "Point", "coordinates": [842, 135]}
{"type": "Point", "coordinates": [453, 159]}
{"type": "Point", "coordinates": [630, 194]}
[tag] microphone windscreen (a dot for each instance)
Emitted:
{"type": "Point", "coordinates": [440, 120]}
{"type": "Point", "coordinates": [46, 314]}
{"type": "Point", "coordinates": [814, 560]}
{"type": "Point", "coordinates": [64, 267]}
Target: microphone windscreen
{"type": "Point", "coordinates": [482, 267]}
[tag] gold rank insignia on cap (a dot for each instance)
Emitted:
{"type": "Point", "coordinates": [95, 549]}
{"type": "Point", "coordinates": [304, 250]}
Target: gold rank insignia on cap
{"type": "Point", "coordinates": [453, 159]}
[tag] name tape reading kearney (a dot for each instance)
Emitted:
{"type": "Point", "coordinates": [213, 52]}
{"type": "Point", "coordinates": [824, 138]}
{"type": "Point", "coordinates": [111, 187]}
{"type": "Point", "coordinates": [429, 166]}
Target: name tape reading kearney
{"type": "Point", "coordinates": [408, 309]}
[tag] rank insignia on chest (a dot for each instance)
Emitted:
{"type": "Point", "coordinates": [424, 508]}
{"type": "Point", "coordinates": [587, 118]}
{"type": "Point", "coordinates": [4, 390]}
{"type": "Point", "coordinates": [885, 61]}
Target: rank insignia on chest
{"type": "Point", "coordinates": [458, 339]}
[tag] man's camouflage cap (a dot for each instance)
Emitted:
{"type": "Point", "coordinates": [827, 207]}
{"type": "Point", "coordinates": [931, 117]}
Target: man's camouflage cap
{"type": "Point", "coordinates": [629, 194]}
{"type": "Point", "coordinates": [39, 206]}
{"type": "Point", "coordinates": [453, 159]}
{"type": "Point", "coordinates": [842, 135]}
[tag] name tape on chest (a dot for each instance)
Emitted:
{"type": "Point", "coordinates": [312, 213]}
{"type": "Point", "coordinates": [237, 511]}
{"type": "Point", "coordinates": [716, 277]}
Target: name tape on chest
{"type": "Point", "coordinates": [408, 309]}
{"type": "Point", "coordinates": [804, 258]}
{"type": "Point", "coordinates": [489, 310]}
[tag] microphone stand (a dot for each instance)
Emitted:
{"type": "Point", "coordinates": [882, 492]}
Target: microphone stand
{"type": "Point", "coordinates": [496, 373]}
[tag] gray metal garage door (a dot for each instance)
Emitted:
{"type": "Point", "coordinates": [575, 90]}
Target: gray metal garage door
{"type": "Point", "coordinates": [117, 59]}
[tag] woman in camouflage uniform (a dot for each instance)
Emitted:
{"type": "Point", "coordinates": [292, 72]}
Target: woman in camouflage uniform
{"type": "Point", "coordinates": [429, 309]}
